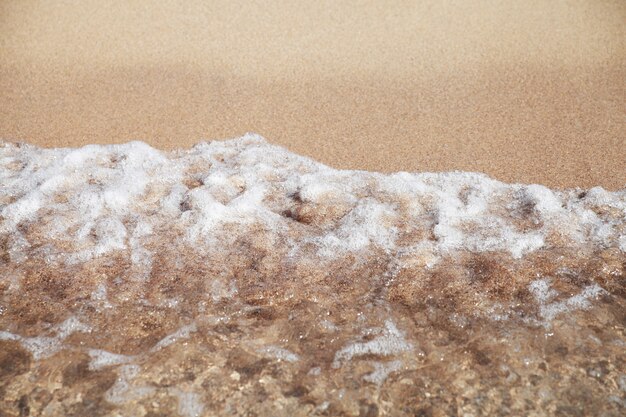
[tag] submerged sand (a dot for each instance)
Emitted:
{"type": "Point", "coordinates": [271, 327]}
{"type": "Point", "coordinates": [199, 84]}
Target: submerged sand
{"type": "Point", "coordinates": [237, 278]}
{"type": "Point", "coordinates": [527, 92]}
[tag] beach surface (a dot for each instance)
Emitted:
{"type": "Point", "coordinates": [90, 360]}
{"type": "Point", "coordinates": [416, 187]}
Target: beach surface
{"type": "Point", "coordinates": [148, 269]}
{"type": "Point", "coordinates": [236, 278]}
{"type": "Point", "coordinates": [529, 92]}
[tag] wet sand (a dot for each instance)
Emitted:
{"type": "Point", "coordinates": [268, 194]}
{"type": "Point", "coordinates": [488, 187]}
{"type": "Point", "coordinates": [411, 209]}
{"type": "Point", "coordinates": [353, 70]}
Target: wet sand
{"type": "Point", "coordinates": [524, 93]}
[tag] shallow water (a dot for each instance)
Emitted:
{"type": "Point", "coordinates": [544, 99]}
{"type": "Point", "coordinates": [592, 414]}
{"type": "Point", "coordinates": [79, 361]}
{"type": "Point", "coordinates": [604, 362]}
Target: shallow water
{"type": "Point", "coordinates": [236, 278]}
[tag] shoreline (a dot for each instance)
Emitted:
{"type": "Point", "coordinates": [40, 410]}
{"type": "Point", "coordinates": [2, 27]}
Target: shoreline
{"type": "Point", "coordinates": [561, 132]}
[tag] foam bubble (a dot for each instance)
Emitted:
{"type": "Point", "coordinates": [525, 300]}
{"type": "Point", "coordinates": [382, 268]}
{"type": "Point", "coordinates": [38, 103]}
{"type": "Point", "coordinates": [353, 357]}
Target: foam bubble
{"type": "Point", "coordinates": [92, 196]}
{"type": "Point", "coordinates": [390, 342]}
{"type": "Point", "coordinates": [102, 359]}
{"type": "Point", "coordinates": [182, 333]}
{"type": "Point", "coordinates": [382, 371]}
{"type": "Point", "coordinates": [45, 346]}
{"type": "Point", "coordinates": [550, 310]}
{"type": "Point", "coordinates": [279, 353]}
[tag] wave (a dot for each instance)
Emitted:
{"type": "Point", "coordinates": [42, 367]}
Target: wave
{"type": "Point", "coordinates": [304, 289]}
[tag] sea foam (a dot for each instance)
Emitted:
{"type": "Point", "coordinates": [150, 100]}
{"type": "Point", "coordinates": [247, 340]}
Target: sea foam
{"type": "Point", "coordinates": [99, 199]}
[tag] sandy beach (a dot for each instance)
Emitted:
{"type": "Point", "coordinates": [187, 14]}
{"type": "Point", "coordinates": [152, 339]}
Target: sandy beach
{"type": "Point", "coordinates": [159, 274]}
{"type": "Point", "coordinates": [530, 92]}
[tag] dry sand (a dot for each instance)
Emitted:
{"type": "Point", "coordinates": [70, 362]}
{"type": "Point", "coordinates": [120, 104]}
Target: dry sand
{"type": "Point", "coordinates": [523, 91]}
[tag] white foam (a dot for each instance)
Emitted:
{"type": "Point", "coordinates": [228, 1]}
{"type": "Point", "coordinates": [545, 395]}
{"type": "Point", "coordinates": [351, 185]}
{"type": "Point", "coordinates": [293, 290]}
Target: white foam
{"type": "Point", "coordinates": [69, 326]}
{"type": "Point", "coordinates": [102, 359]}
{"type": "Point", "coordinates": [45, 346]}
{"type": "Point", "coordinates": [41, 347]}
{"type": "Point", "coordinates": [221, 290]}
{"type": "Point", "coordinates": [382, 371]}
{"type": "Point", "coordinates": [279, 353]}
{"type": "Point", "coordinates": [96, 200]}
{"type": "Point", "coordinates": [329, 325]}
{"type": "Point", "coordinates": [99, 295]}
{"type": "Point", "coordinates": [369, 223]}
{"type": "Point", "coordinates": [182, 333]}
{"type": "Point", "coordinates": [123, 390]}
{"type": "Point", "coordinates": [390, 342]}
{"type": "Point", "coordinates": [9, 336]}
{"type": "Point", "coordinates": [189, 403]}
{"type": "Point", "coordinates": [23, 209]}
{"type": "Point", "coordinates": [315, 371]}
{"type": "Point", "coordinates": [550, 310]}
{"type": "Point", "coordinates": [540, 288]}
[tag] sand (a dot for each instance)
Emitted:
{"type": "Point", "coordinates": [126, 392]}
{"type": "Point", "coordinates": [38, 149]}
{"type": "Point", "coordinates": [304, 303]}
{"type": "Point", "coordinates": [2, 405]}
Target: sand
{"type": "Point", "coordinates": [525, 92]}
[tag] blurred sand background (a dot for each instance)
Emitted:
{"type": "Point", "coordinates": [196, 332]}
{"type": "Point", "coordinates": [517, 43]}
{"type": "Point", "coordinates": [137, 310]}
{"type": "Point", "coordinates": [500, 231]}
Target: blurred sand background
{"type": "Point", "coordinates": [525, 91]}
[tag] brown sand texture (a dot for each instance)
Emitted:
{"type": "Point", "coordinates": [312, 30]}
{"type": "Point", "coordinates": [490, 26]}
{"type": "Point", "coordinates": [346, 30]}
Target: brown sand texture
{"type": "Point", "coordinates": [523, 91]}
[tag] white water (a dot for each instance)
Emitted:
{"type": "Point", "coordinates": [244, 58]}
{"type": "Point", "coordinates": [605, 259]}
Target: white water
{"type": "Point", "coordinates": [96, 200]}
